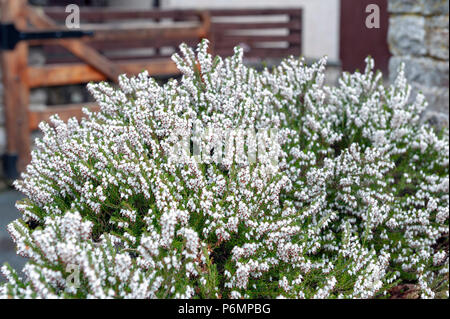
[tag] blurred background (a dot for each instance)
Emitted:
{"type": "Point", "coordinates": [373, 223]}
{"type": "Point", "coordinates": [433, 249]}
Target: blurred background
{"type": "Point", "coordinates": [41, 77]}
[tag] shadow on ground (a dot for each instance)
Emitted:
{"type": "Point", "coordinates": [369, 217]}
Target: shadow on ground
{"type": "Point", "coordinates": [8, 213]}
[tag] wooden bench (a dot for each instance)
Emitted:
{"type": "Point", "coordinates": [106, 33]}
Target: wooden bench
{"type": "Point", "coordinates": [124, 41]}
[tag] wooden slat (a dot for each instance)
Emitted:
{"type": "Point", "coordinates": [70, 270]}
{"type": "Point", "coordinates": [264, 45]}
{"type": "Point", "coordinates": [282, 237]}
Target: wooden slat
{"type": "Point", "coordinates": [229, 34]}
{"type": "Point", "coordinates": [227, 39]}
{"type": "Point", "coordinates": [170, 33]}
{"type": "Point", "coordinates": [65, 112]}
{"type": "Point", "coordinates": [119, 57]}
{"type": "Point", "coordinates": [262, 53]}
{"type": "Point", "coordinates": [116, 58]}
{"type": "Point", "coordinates": [126, 44]}
{"type": "Point", "coordinates": [77, 47]}
{"type": "Point", "coordinates": [220, 27]}
{"type": "Point", "coordinates": [58, 54]}
{"type": "Point", "coordinates": [65, 74]}
{"type": "Point", "coordinates": [107, 14]}
{"type": "Point", "coordinates": [167, 33]}
{"type": "Point", "coordinates": [295, 12]}
{"type": "Point", "coordinates": [142, 43]}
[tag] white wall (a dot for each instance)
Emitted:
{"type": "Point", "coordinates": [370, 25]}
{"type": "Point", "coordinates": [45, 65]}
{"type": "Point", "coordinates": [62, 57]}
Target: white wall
{"type": "Point", "coordinates": [135, 4]}
{"type": "Point", "coordinates": [320, 20]}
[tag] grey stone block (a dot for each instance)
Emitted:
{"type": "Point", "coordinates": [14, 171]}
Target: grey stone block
{"type": "Point", "coordinates": [437, 37]}
{"type": "Point", "coordinates": [425, 7]}
{"type": "Point", "coordinates": [405, 6]}
{"type": "Point", "coordinates": [437, 22]}
{"type": "Point", "coordinates": [435, 119]}
{"type": "Point", "coordinates": [423, 71]}
{"type": "Point", "coordinates": [407, 35]}
{"type": "Point", "coordinates": [437, 98]}
{"type": "Point", "coordinates": [432, 7]}
{"type": "Point", "coordinates": [437, 43]}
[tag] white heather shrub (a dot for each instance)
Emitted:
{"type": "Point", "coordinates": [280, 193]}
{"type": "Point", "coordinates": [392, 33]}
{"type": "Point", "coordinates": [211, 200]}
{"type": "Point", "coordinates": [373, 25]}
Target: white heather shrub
{"type": "Point", "coordinates": [352, 200]}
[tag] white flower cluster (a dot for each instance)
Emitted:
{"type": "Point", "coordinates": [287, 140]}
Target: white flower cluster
{"type": "Point", "coordinates": [355, 202]}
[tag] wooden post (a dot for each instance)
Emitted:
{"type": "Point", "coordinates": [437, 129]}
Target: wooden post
{"type": "Point", "coordinates": [15, 92]}
{"type": "Point", "coordinates": [206, 32]}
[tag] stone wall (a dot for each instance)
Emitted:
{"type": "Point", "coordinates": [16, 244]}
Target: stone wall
{"type": "Point", "coordinates": [418, 36]}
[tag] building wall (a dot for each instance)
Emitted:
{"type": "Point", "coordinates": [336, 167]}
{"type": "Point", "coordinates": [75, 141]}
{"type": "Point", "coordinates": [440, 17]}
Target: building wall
{"type": "Point", "coordinates": [135, 4]}
{"type": "Point", "coordinates": [418, 36]}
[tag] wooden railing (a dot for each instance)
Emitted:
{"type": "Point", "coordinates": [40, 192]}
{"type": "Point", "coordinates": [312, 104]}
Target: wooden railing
{"type": "Point", "coordinates": [123, 42]}
{"type": "Point", "coordinates": [272, 33]}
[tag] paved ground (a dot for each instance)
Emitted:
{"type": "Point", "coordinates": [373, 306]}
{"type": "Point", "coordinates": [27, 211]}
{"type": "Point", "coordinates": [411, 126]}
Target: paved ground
{"type": "Point", "coordinates": [8, 213]}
